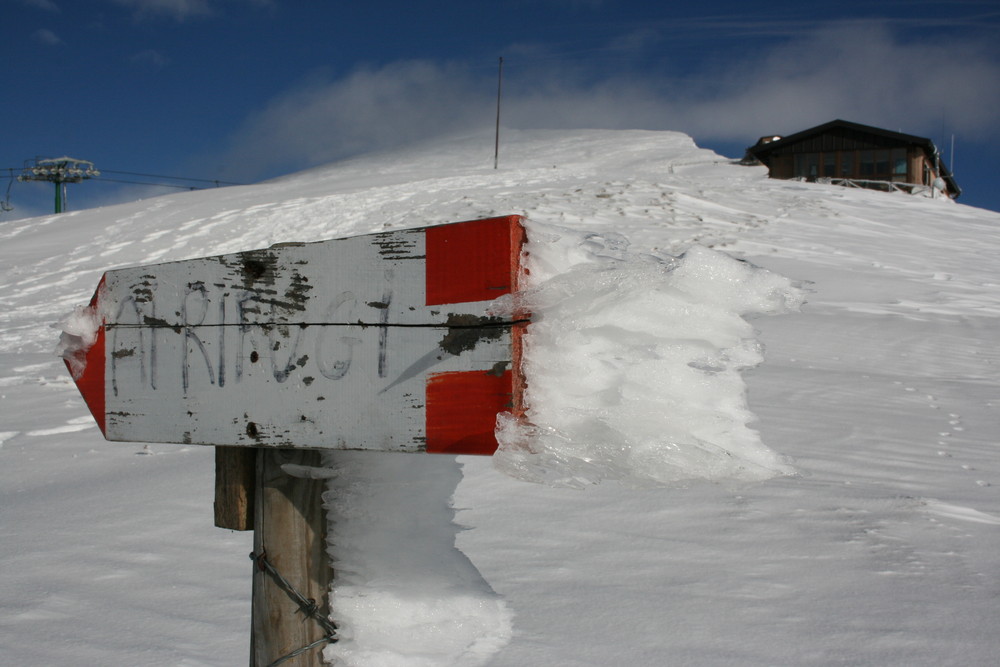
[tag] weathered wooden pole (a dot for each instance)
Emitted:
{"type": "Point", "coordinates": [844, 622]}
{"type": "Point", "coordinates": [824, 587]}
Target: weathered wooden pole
{"type": "Point", "coordinates": [292, 574]}
{"type": "Point", "coordinates": [235, 486]}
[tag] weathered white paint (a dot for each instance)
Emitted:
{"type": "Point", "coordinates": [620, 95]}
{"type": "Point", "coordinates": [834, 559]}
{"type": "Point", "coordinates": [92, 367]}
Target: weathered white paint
{"type": "Point", "coordinates": [320, 345]}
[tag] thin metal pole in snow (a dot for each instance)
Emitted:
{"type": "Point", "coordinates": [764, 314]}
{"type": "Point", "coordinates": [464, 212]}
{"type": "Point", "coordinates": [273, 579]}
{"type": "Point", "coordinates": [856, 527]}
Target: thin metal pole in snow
{"type": "Point", "coordinates": [951, 161]}
{"type": "Point", "coordinates": [496, 145]}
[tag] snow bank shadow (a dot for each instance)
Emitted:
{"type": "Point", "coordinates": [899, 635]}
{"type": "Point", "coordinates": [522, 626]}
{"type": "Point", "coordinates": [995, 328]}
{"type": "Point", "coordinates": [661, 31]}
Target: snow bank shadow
{"type": "Point", "coordinates": [403, 594]}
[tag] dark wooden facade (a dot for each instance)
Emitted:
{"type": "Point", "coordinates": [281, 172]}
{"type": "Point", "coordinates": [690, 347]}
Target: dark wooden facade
{"type": "Point", "coordinates": [844, 152]}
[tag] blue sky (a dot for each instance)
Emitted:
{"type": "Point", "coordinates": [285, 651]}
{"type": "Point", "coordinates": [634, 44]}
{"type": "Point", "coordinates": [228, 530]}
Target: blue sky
{"type": "Point", "coordinates": [242, 90]}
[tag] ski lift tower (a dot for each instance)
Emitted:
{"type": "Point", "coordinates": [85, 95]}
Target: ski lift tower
{"type": "Point", "coordinates": [60, 170]}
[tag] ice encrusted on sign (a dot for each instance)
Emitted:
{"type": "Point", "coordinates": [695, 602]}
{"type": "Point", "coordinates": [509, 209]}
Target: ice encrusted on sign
{"type": "Point", "coordinates": [634, 364]}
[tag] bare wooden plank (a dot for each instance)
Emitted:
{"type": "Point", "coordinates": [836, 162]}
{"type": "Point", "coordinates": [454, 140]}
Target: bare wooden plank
{"type": "Point", "coordinates": [235, 482]}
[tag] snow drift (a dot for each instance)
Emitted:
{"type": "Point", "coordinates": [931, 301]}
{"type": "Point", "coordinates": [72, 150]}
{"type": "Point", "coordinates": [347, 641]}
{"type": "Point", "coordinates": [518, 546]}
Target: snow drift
{"type": "Point", "coordinates": [633, 363]}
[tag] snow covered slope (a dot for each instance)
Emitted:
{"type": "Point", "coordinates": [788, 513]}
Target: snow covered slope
{"type": "Point", "coordinates": [877, 407]}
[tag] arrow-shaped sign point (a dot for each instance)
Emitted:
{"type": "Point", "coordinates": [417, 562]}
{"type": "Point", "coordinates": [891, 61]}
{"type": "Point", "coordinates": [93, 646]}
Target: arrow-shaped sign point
{"type": "Point", "coordinates": [377, 342]}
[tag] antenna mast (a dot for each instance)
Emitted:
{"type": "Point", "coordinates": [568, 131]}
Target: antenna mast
{"type": "Point", "coordinates": [496, 145]}
{"type": "Point", "coordinates": [951, 160]}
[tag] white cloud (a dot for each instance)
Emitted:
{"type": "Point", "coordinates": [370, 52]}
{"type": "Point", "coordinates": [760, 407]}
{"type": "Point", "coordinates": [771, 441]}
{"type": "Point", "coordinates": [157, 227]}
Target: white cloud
{"type": "Point", "coordinates": [149, 57]}
{"type": "Point", "coordinates": [177, 9]}
{"type": "Point", "coordinates": [182, 10]}
{"type": "Point", "coordinates": [367, 110]}
{"type": "Point", "coordinates": [44, 5]}
{"type": "Point", "coordinates": [46, 37]}
{"type": "Point", "coordinates": [859, 72]}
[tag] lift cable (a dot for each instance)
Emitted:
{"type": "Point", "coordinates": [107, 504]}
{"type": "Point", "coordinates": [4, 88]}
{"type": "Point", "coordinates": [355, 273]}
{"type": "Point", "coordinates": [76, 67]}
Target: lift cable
{"type": "Point", "coordinates": [171, 178]}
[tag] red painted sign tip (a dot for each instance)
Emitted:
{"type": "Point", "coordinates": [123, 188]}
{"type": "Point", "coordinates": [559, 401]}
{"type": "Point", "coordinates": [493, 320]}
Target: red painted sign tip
{"type": "Point", "coordinates": [478, 260]}
{"type": "Point", "coordinates": [87, 369]}
{"type": "Point", "coordinates": [462, 409]}
{"type": "Point", "coordinates": [91, 380]}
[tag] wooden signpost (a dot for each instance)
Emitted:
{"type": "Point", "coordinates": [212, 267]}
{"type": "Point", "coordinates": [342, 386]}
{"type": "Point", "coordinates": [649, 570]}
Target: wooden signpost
{"type": "Point", "coordinates": [380, 342]}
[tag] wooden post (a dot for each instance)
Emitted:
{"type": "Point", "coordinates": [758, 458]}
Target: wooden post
{"type": "Point", "coordinates": [235, 482]}
{"type": "Point", "coordinates": [290, 536]}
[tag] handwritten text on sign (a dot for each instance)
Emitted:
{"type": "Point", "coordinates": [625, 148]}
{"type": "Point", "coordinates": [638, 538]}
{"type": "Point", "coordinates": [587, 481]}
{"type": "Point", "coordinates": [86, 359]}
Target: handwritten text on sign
{"type": "Point", "coordinates": [336, 344]}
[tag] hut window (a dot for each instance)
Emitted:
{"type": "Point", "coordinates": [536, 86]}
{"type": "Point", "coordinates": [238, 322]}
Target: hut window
{"type": "Point", "coordinates": [846, 164]}
{"type": "Point", "coordinates": [882, 162]}
{"type": "Point", "coordinates": [806, 165]}
{"type": "Point", "coordinates": [898, 162]}
{"type": "Point", "coordinates": [867, 163]}
{"type": "Point", "coordinates": [829, 164]}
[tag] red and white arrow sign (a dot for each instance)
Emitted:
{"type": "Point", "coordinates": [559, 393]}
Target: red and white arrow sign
{"type": "Point", "coordinates": [377, 342]}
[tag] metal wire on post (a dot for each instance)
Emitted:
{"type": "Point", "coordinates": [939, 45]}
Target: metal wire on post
{"type": "Point", "coordinates": [307, 605]}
